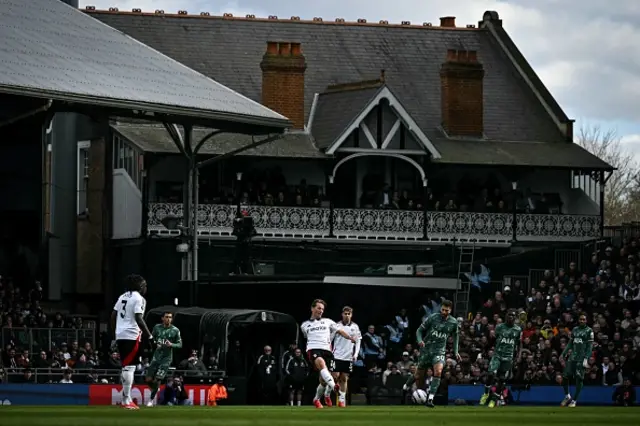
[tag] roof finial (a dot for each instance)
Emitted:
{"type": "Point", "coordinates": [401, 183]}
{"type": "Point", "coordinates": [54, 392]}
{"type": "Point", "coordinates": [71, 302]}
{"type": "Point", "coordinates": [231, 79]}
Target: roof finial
{"type": "Point", "coordinates": [382, 77]}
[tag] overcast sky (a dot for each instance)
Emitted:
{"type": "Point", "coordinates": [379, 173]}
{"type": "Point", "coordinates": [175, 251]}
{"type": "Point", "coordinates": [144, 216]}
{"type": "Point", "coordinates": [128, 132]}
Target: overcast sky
{"type": "Point", "coordinates": [585, 51]}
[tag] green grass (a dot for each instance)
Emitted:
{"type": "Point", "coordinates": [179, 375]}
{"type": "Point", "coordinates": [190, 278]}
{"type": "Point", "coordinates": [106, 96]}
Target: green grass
{"type": "Point", "coordinates": [276, 416]}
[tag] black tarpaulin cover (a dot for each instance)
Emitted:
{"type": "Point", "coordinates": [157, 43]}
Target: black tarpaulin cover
{"type": "Point", "coordinates": [201, 326]}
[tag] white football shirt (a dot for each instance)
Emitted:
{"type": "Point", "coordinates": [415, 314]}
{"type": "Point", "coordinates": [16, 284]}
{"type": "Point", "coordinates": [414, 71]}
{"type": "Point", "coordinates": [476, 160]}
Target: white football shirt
{"type": "Point", "coordinates": [344, 349]}
{"type": "Point", "coordinates": [318, 333]}
{"type": "Point", "coordinates": [127, 306]}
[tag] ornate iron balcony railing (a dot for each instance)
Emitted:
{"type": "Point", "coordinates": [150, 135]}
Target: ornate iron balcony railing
{"type": "Point", "coordinates": [382, 225]}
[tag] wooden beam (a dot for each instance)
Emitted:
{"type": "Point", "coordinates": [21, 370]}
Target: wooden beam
{"type": "Point", "coordinates": [369, 135]}
{"type": "Point", "coordinates": [391, 134]}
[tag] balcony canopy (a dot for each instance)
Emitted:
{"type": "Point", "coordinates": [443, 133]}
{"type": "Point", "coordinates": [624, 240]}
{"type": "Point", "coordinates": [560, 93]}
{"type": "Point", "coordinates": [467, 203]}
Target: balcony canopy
{"type": "Point", "coordinates": [53, 51]}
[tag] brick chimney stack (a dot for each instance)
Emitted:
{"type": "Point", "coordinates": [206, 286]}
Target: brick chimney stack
{"type": "Point", "coordinates": [448, 21]}
{"type": "Point", "coordinates": [461, 78]}
{"type": "Point", "coordinates": [283, 67]}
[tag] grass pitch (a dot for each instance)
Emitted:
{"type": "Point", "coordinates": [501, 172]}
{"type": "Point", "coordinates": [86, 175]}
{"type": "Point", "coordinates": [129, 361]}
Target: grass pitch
{"type": "Point", "coordinates": [308, 416]}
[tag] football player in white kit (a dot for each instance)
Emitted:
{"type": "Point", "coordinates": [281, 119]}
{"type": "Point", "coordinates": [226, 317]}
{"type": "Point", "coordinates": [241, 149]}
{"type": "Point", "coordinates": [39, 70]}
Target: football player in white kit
{"type": "Point", "coordinates": [319, 331]}
{"type": "Point", "coordinates": [345, 352]}
{"type": "Point", "coordinates": [128, 323]}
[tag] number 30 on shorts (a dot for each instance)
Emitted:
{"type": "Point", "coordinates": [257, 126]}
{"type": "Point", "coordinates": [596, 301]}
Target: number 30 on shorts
{"type": "Point", "coordinates": [438, 359]}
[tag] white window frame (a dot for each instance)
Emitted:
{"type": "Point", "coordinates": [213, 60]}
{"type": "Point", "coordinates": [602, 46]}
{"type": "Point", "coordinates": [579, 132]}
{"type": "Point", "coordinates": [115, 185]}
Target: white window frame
{"type": "Point", "coordinates": [83, 147]}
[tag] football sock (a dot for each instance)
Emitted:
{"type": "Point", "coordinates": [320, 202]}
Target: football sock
{"type": "Point", "coordinates": [579, 384]}
{"type": "Point", "coordinates": [154, 389]}
{"type": "Point", "coordinates": [125, 395]}
{"type": "Point", "coordinates": [127, 383]}
{"type": "Point", "coordinates": [433, 387]}
{"type": "Point", "coordinates": [320, 391]}
{"type": "Point", "coordinates": [342, 396]}
{"type": "Point", "coordinates": [565, 386]}
{"type": "Point", "coordinates": [327, 390]}
{"type": "Point", "coordinates": [299, 403]}
{"type": "Point", "coordinates": [487, 387]}
{"type": "Point", "coordinates": [328, 379]}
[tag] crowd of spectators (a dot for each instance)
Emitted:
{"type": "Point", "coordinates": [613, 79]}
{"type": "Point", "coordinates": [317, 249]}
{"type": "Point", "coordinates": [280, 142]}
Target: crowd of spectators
{"type": "Point", "coordinates": [41, 347]}
{"type": "Point", "coordinates": [34, 339]}
{"type": "Point", "coordinates": [270, 188]}
{"type": "Point", "coordinates": [606, 290]}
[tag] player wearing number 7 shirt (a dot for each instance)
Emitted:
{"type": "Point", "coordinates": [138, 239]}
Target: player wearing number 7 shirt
{"type": "Point", "coordinates": [128, 324]}
{"type": "Point", "coordinates": [345, 352]}
{"type": "Point", "coordinates": [318, 332]}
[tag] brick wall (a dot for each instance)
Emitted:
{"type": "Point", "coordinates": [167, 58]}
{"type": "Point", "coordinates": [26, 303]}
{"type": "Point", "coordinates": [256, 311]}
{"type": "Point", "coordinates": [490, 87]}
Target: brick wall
{"type": "Point", "coordinates": [283, 67]}
{"type": "Point", "coordinates": [462, 88]}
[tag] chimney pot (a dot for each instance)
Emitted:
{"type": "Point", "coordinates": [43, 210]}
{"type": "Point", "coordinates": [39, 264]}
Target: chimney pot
{"type": "Point", "coordinates": [296, 49]}
{"type": "Point", "coordinates": [462, 56]}
{"type": "Point", "coordinates": [272, 48]}
{"type": "Point", "coordinates": [448, 21]}
{"type": "Point", "coordinates": [285, 49]}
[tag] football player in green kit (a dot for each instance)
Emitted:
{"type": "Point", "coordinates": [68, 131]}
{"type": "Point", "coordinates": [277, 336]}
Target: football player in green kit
{"type": "Point", "coordinates": [581, 346]}
{"type": "Point", "coordinates": [508, 342]}
{"type": "Point", "coordinates": [167, 337]}
{"type": "Point", "coordinates": [432, 336]}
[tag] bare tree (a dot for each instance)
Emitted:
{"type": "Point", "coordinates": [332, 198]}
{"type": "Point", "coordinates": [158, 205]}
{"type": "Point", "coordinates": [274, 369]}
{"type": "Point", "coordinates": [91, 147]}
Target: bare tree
{"type": "Point", "coordinates": [621, 202]}
{"type": "Point", "coordinates": [634, 198]}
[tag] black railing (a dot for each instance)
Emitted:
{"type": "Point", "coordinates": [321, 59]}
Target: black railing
{"type": "Point", "coordinates": [216, 220]}
{"type": "Point", "coordinates": [47, 339]}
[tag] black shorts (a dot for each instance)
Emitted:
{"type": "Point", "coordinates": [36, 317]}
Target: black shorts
{"type": "Point", "coordinates": [296, 385]}
{"type": "Point", "coordinates": [128, 350]}
{"type": "Point", "coordinates": [342, 366]}
{"type": "Point", "coordinates": [321, 353]}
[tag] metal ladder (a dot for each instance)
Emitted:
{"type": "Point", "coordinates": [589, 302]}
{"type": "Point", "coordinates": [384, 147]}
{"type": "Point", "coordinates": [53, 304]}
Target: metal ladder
{"type": "Point", "coordinates": [465, 265]}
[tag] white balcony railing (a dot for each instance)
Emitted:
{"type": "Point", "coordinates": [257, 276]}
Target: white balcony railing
{"type": "Point", "coordinates": [382, 225]}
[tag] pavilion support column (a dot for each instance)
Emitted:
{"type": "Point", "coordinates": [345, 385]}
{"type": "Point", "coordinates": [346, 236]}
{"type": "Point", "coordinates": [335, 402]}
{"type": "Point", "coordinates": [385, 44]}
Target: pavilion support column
{"type": "Point", "coordinates": [187, 206]}
{"type": "Point", "coordinates": [514, 218]}
{"type": "Point", "coordinates": [425, 210]}
{"type": "Point", "coordinates": [425, 197]}
{"type": "Point", "coordinates": [331, 206]}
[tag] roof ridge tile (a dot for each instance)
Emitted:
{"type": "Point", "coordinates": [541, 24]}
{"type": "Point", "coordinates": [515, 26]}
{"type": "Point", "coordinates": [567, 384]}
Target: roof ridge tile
{"type": "Point", "coordinates": [271, 18]}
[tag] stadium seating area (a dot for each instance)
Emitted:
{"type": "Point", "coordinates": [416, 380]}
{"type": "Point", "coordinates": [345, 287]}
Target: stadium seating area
{"type": "Point", "coordinates": [41, 347]}
{"type": "Point", "coordinates": [34, 339]}
{"type": "Point", "coordinates": [606, 288]}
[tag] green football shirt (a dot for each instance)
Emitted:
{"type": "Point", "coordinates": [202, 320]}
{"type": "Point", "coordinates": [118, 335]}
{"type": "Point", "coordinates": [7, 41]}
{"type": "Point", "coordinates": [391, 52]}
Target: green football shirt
{"type": "Point", "coordinates": [161, 335]}
{"type": "Point", "coordinates": [581, 343]}
{"type": "Point", "coordinates": [507, 340]}
{"type": "Point", "coordinates": [435, 332]}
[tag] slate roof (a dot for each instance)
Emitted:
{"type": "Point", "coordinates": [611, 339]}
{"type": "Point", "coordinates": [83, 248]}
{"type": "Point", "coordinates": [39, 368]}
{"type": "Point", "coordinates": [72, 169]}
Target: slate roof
{"type": "Point", "coordinates": [230, 50]}
{"type": "Point", "coordinates": [54, 51]}
{"type": "Point", "coordinates": [336, 110]}
{"type": "Point", "coordinates": [154, 138]}
{"type": "Point", "coordinates": [515, 153]}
